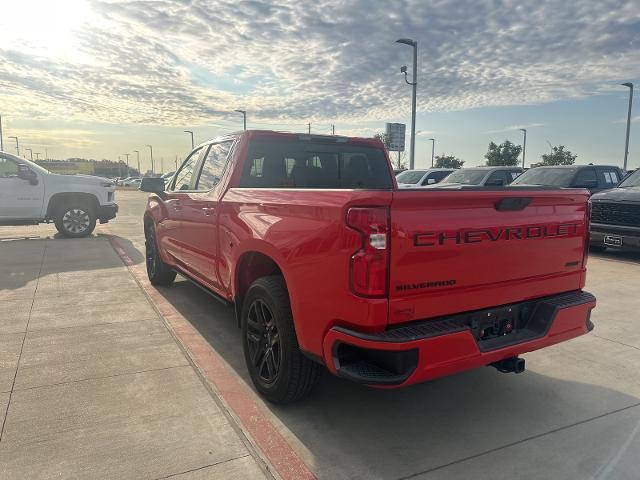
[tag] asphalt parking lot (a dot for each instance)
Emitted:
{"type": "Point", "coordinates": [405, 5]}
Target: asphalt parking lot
{"type": "Point", "coordinates": [574, 414]}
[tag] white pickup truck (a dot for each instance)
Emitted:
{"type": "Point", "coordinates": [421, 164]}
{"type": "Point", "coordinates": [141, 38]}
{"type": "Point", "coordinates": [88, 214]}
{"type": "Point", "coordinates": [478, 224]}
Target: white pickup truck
{"type": "Point", "coordinates": [30, 194]}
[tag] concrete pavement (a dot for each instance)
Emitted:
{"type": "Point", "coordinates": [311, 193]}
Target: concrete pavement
{"type": "Point", "coordinates": [574, 414]}
{"type": "Point", "coordinates": [92, 384]}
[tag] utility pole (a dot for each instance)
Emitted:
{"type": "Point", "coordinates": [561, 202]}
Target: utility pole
{"type": "Point", "coordinates": [433, 149]}
{"type": "Point", "coordinates": [626, 144]}
{"type": "Point", "coordinates": [138, 157]}
{"type": "Point", "coordinates": [309, 124]}
{"type": "Point", "coordinates": [127, 155]}
{"type": "Point", "coordinates": [162, 165]}
{"type": "Point", "coordinates": [176, 163]}
{"type": "Point", "coordinates": [524, 145]}
{"type": "Point", "coordinates": [30, 153]}
{"type": "Point", "coordinates": [17, 145]}
{"type": "Point", "coordinates": [414, 84]}
{"type": "Point", "coordinates": [244, 118]}
{"type": "Point", "coordinates": [189, 131]}
{"type": "Point", "coordinates": [152, 165]}
{"type": "Point", "coordinates": [46, 154]}
{"type": "Point", "coordinates": [1, 140]}
{"type": "Point", "coordinates": [333, 129]}
{"type": "Point", "coordinates": [37, 154]}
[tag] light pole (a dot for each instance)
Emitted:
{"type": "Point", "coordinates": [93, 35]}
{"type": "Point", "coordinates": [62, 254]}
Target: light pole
{"type": "Point", "coordinates": [37, 154]}
{"type": "Point", "coordinates": [1, 140]}
{"type": "Point", "coordinates": [151, 153]}
{"type": "Point", "coordinates": [414, 44]}
{"type": "Point", "coordinates": [138, 157]}
{"type": "Point", "coordinates": [433, 149]}
{"type": "Point", "coordinates": [127, 155]}
{"type": "Point", "coordinates": [30, 153]}
{"type": "Point", "coordinates": [626, 144]}
{"type": "Point", "coordinates": [189, 131]}
{"type": "Point", "coordinates": [244, 118]}
{"type": "Point", "coordinates": [524, 145]}
{"type": "Point", "coordinates": [17, 145]}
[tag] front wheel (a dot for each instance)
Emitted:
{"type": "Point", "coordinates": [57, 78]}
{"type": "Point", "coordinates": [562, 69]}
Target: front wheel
{"type": "Point", "coordinates": [75, 221]}
{"type": "Point", "coordinates": [159, 273]}
{"type": "Point", "coordinates": [278, 369]}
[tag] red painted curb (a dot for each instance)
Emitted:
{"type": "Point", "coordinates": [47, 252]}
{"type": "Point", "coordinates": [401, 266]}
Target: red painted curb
{"type": "Point", "coordinates": [250, 415]}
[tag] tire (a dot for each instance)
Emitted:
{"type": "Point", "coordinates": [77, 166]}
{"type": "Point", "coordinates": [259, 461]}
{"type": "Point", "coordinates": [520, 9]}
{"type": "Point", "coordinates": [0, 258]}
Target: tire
{"type": "Point", "coordinates": [159, 273]}
{"type": "Point", "coordinates": [278, 369]}
{"type": "Point", "coordinates": [75, 220]}
{"type": "Point", "coordinates": [597, 248]}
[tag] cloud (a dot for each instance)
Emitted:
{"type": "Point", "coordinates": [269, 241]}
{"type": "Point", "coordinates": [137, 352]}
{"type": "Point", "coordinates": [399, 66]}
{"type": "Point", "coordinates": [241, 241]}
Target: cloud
{"type": "Point", "coordinates": [624, 120]}
{"type": "Point", "coordinates": [191, 62]}
{"type": "Point", "coordinates": [512, 128]}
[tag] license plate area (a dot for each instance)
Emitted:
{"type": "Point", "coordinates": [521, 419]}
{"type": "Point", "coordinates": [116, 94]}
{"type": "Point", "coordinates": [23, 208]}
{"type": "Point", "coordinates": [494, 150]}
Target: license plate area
{"type": "Point", "coordinates": [496, 323]}
{"type": "Point", "coordinates": [613, 241]}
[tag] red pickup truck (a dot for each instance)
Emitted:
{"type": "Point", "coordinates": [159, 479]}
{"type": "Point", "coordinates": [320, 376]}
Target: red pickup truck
{"type": "Point", "coordinates": [329, 264]}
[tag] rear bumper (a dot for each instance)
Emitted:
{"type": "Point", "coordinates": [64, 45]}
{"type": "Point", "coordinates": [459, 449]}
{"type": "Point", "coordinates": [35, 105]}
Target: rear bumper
{"type": "Point", "coordinates": [425, 350]}
{"type": "Point", "coordinates": [107, 212]}
{"type": "Point", "coordinates": [629, 236]}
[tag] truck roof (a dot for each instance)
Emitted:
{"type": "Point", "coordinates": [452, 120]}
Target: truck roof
{"type": "Point", "coordinates": [374, 142]}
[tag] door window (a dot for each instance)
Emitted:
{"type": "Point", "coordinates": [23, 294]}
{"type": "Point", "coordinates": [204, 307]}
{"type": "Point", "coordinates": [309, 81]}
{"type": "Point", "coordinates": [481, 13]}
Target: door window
{"type": "Point", "coordinates": [8, 168]}
{"type": "Point", "coordinates": [214, 165]}
{"type": "Point", "coordinates": [185, 178]}
{"type": "Point", "coordinates": [497, 178]}
{"type": "Point", "coordinates": [608, 177]}
{"type": "Point", "coordinates": [586, 178]}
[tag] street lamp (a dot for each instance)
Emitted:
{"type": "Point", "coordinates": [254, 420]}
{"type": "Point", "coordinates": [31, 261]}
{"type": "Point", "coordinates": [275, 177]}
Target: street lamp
{"type": "Point", "coordinates": [30, 153]}
{"type": "Point", "coordinates": [37, 154]}
{"type": "Point", "coordinates": [433, 148]}
{"type": "Point", "coordinates": [414, 44]}
{"type": "Point", "coordinates": [17, 145]}
{"type": "Point", "coordinates": [189, 131]}
{"type": "Point", "coordinates": [127, 155]}
{"type": "Point", "coordinates": [244, 117]}
{"type": "Point", "coordinates": [626, 144]}
{"type": "Point", "coordinates": [524, 145]}
{"type": "Point", "coordinates": [151, 153]}
{"type": "Point", "coordinates": [138, 157]}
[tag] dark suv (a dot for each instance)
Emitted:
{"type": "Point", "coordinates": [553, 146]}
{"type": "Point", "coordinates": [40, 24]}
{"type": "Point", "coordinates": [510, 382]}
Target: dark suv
{"type": "Point", "coordinates": [615, 216]}
{"type": "Point", "coordinates": [594, 178]}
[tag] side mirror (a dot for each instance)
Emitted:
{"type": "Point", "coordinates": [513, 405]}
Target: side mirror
{"type": "Point", "coordinates": [25, 173]}
{"type": "Point", "coordinates": [152, 185]}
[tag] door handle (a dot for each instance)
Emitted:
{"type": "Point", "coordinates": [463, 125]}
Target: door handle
{"type": "Point", "coordinates": [208, 211]}
{"type": "Point", "coordinates": [177, 205]}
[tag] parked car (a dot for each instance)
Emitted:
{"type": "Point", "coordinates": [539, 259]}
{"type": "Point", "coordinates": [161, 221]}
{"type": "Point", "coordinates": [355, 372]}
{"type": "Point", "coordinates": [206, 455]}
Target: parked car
{"type": "Point", "coordinates": [615, 216]}
{"type": "Point", "coordinates": [167, 177]}
{"type": "Point", "coordinates": [329, 264]}
{"type": "Point", "coordinates": [132, 182]}
{"type": "Point", "coordinates": [481, 176]}
{"type": "Point", "coordinates": [594, 178]}
{"type": "Point", "coordinates": [420, 178]}
{"type": "Point", "coordinates": [30, 194]}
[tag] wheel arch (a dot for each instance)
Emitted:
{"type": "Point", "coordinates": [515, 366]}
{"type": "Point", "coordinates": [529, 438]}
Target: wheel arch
{"type": "Point", "coordinates": [66, 198]}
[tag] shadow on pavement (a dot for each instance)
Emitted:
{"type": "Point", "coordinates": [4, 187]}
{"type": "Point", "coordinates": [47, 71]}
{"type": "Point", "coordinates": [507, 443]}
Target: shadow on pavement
{"type": "Point", "coordinates": [349, 431]}
{"type": "Point", "coordinates": [620, 255]}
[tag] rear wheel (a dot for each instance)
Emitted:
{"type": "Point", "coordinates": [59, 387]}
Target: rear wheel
{"type": "Point", "coordinates": [159, 273]}
{"type": "Point", "coordinates": [75, 221]}
{"type": "Point", "coordinates": [278, 369]}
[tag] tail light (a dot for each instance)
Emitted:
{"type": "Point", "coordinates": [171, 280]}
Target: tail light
{"type": "Point", "coordinates": [369, 265]}
{"type": "Point", "coordinates": [587, 234]}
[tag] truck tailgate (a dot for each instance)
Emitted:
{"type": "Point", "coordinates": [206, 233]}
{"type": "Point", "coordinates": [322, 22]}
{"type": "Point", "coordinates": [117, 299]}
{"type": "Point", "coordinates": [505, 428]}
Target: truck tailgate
{"type": "Point", "coordinates": [461, 250]}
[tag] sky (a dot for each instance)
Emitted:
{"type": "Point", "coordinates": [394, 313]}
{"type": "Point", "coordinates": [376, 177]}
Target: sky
{"type": "Point", "coordinates": [101, 78]}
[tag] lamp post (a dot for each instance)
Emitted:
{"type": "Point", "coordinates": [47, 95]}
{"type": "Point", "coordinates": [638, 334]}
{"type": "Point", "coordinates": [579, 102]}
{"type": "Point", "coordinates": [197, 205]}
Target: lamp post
{"type": "Point", "coordinates": [127, 155]}
{"type": "Point", "coordinates": [17, 145]}
{"type": "Point", "coordinates": [1, 140]}
{"type": "Point", "coordinates": [244, 118]}
{"type": "Point", "coordinates": [414, 84]}
{"type": "Point", "coordinates": [626, 144]}
{"type": "Point", "coordinates": [138, 157]}
{"type": "Point", "coordinates": [151, 153]}
{"type": "Point", "coordinates": [37, 154]}
{"type": "Point", "coordinates": [524, 145]}
{"type": "Point", "coordinates": [30, 153]}
{"type": "Point", "coordinates": [189, 131]}
{"type": "Point", "coordinates": [433, 149]}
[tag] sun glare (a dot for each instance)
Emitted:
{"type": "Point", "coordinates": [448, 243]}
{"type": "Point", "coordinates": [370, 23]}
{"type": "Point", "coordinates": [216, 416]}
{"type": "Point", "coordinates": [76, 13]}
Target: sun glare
{"type": "Point", "coordinates": [44, 27]}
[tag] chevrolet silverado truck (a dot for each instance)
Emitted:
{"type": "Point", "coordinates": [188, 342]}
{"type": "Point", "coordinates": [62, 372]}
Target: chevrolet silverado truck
{"type": "Point", "coordinates": [615, 216]}
{"type": "Point", "coordinates": [330, 265]}
{"type": "Point", "coordinates": [30, 194]}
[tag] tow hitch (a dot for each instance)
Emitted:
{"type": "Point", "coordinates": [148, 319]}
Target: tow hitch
{"type": "Point", "coordinates": [508, 365]}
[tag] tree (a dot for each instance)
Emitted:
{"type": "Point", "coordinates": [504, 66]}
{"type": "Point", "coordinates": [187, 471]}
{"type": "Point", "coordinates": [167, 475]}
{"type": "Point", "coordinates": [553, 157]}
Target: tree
{"type": "Point", "coordinates": [399, 161]}
{"type": "Point", "coordinates": [558, 156]}
{"type": "Point", "coordinates": [384, 138]}
{"type": "Point", "coordinates": [505, 154]}
{"type": "Point", "coordinates": [448, 161]}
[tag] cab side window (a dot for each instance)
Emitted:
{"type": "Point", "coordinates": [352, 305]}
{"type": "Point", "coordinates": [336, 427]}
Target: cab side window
{"type": "Point", "coordinates": [214, 165]}
{"type": "Point", "coordinates": [586, 177]}
{"type": "Point", "coordinates": [497, 178]}
{"type": "Point", "coordinates": [185, 178]}
{"type": "Point", "coordinates": [8, 168]}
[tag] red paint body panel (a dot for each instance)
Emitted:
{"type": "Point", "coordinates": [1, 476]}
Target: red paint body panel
{"type": "Point", "coordinates": [304, 232]}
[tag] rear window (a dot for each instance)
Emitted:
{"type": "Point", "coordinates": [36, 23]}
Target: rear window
{"type": "Point", "coordinates": [410, 176]}
{"type": "Point", "coordinates": [552, 177]}
{"type": "Point", "coordinates": [273, 163]}
{"type": "Point", "coordinates": [466, 177]}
